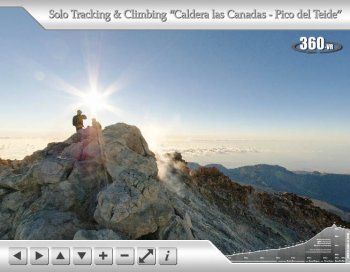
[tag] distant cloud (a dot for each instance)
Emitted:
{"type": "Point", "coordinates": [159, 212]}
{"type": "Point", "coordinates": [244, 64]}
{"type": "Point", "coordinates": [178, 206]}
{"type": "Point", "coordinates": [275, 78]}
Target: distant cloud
{"type": "Point", "coordinates": [18, 148]}
{"type": "Point", "coordinates": [212, 150]}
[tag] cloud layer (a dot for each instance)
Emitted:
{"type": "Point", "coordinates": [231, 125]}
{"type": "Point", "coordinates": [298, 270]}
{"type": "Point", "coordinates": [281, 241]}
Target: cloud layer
{"type": "Point", "coordinates": [212, 150]}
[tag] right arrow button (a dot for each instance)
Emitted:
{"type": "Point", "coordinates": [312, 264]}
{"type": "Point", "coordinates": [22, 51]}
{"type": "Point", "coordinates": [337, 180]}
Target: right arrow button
{"type": "Point", "coordinates": [39, 256]}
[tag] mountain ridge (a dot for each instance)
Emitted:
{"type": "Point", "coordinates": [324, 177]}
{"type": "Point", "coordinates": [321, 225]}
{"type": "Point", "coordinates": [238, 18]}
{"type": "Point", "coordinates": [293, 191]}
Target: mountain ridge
{"type": "Point", "coordinates": [331, 188]}
{"type": "Point", "coordinates": [108, 185]}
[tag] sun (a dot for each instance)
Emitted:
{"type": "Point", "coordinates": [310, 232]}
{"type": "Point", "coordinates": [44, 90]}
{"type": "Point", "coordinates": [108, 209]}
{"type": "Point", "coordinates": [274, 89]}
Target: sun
{"type": "Point", "coordinates": [94, 101]}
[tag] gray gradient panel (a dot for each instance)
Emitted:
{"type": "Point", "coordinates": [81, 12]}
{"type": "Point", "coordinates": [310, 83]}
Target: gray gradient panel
{"type": "Point", "coordinates": [326, 247]}
{"type": "Point", "coordinates": [187, 14]}
{"type": "Point", "coordinates": [191, 256]}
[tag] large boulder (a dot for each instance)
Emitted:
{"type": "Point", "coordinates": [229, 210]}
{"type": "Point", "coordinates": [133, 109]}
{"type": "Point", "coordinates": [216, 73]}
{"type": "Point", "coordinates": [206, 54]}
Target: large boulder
{"type": "Point", "coordinates": [132, 205]}
{"type": "Point", "coordinates": [125, 148]}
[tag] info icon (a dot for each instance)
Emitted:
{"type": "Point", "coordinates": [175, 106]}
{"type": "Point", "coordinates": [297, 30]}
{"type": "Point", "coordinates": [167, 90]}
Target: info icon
{"type": "Point", "coordinates": [167, 256]}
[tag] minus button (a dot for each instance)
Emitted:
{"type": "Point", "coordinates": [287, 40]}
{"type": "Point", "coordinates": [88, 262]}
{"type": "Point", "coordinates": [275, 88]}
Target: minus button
{"type": "Point", "coordinates": [125, 256]}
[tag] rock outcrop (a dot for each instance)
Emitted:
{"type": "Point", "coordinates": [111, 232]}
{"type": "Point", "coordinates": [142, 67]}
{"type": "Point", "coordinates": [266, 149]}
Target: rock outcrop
{"type": "Point", "coordinates": [108, 185]}
{"type": "Point", "coordinates": [95, 184]}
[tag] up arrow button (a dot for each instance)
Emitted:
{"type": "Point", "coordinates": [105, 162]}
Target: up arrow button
{"type": "Point", "coordinates": [60, 256]}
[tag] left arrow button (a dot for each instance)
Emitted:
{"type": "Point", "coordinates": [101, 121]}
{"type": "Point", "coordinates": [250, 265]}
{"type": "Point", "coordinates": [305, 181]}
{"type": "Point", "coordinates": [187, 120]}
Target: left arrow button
{"type": "Point", "coordinates": [18, 255]}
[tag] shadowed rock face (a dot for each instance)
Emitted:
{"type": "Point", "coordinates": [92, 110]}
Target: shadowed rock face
{"type": "Point", "coordinates": [109, 185]}
{"type": "Point", "coordinates": [261, 219]}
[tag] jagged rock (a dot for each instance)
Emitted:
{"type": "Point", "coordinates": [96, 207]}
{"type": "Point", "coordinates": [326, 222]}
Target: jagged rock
{"type": "Point", "coordinates": [90, 175]}
{"type": "Point", "coordinates": [77, 194]}
{"type": "Point", "coordinates": [178, 229]}
{"type": "Point", "coordinates": [48, 225]}
{"type": "Point", "coordinates": [55, 149]}
{"type": "Point", "coordinates": [52, 170]}
{"type": "Point", "coordinates": [62, 196]}
{"type": "Point", "coordinates": [129, 136]}
{"type": "Point", "coordinates": [6, 219]}
{"type": "Point", "coordinates": [104, 234]}
{"type": "Point", "coordinates": [6, 164]}
{"type": "Point", "coordinates": [84, 145]}
{"type": "Point", "coordinates": [2, 193]}
{"type": "Point", "coordinates": [10, 179]}
{"type": "Point", "coordinates": [12, 207]}
{"type": "Point", "coordinates": [14, 201]}
{"type": "Point", "coordinates": [75, 138]}
{"type": "Point", "coordinates": [73, 151]}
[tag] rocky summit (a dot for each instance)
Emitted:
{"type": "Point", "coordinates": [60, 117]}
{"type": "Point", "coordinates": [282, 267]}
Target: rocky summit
{"type": "Point", "coordinates": [108, 185]}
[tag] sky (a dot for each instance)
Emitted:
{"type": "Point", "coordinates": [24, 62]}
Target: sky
{"type": "Point", "coordinates": [236, 90]}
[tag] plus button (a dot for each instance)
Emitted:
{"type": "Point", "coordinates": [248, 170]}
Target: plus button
{"type": "Point", "coordinates": [103, 255]}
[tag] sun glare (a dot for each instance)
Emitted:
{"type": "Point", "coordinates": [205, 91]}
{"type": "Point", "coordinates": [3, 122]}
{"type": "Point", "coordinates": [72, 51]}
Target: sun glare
{"type": "Point", "coordinates": [94, 101]}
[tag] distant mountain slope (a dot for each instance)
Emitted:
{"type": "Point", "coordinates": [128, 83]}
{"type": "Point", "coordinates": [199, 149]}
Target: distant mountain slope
{"type": "Point", "coordinates": [332, 188]}
{"type": "Point", "coordinates": [332, 209]}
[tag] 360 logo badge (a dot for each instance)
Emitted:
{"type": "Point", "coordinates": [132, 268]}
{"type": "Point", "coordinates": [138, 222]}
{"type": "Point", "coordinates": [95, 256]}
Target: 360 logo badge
{"type": "Point", "coordinates": [311, 45]}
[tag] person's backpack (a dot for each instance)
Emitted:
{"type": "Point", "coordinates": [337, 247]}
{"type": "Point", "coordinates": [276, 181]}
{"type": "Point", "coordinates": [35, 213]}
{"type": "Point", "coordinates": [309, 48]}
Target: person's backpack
{"type": "Point", "coordinates": [75, 121]}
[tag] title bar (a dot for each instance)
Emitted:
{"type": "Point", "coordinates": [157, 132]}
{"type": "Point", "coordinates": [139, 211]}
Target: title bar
{"type": "Point", "coordinates": [191, 14]}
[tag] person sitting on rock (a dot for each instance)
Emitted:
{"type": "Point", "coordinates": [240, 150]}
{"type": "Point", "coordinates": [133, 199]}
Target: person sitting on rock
{"type": "Point", "coordinates": [95, 124]}
{"type": "Point", "coordinates": [78, 120]}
